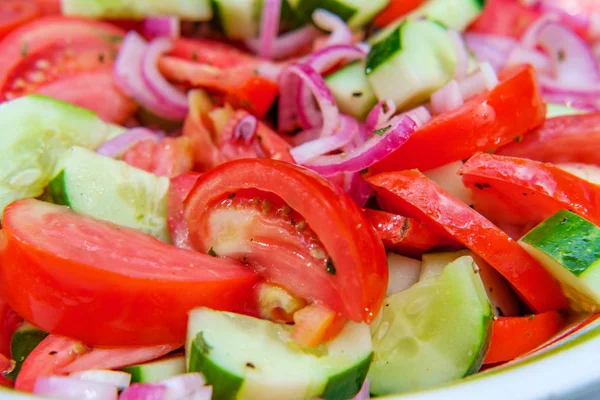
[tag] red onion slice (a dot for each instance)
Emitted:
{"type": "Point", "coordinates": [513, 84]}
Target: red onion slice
{"type": "Point", "coordinates": [119, 379]}
{"type": "Point", "coordinates": [70, 388]}
{"type": "Point", "coordinates": [154, 27]}
{"type": "Point", "coordinates": [537, 59]}
{"type": "Point", "coordinates": [128, 76]}
{"type": "Point", "coordinates": [140, 391]}
{"type": "Point", "coordinates": [167, 94]}
{"type": "Point", "coordinates": [478, 82]}
{"type": "Point", "coordinates": [380, 114]}
{"type": "Point", "coordinates": [288, 44]}
{"type": "Point", "coordinates": [116, 147]}
{"type": "Point", "coordinates": [462, 54]}
{"type": "Point", "coordinates": [573, 16]}
{"type": "Point", "coordinates": [448, 98]}
{"type": "Point", "coordinates": [183, 385]}
{"type": "Point", "coordinates": [245, 129]}
{"type": "Point", "coordinates": [364, 392]}
{"type": "Point", "coordinates": [357, 188]}
{"type": "Point", "coordinates": [377, 147]}
{"type": "Point", "coordinates": [269, 27]}
{"type": "Point", "coordinates": [419, 115]}
{"type": "Point", "coordinates": [529, 40]}
{"type": "Point", "coordinates": [491, 48]}
{"type": "Point", "coordinates": [330, 22]}
{"type": "Point", "coordinates": [344, 134]}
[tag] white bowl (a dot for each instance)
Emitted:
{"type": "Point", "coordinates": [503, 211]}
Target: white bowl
{"type": "Point", "coordinates": [568, 369]}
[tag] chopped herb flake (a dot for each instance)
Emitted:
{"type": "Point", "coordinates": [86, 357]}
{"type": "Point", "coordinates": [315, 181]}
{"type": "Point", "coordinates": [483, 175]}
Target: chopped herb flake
{"type": "Point", "coordinates": [195, 56]}
{"type": "Point", "coordinates": [330, 267]}
{"type": "Point", "coordinates": [212, 252]}
{"type": "Point", "coordinates": [204, 347]}
{"type": "Point", "coordinates": [231, 195]}
{"type": "Point", "coordinates": [382, 131]}
{"type": "Point", "coordinates": [357, 94]}
{"type": "Point", "coordinates": [25, 50]}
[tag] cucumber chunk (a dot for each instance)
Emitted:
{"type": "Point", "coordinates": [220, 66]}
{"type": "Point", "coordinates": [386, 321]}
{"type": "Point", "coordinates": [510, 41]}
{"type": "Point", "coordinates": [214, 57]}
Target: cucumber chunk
{"type": "Point", "coordinates": [192, 10]}
{"type": "Point", "coordinates": [568, 246]}
{"type": "Point", "coordinates": [239, 19]}
{"type": "Point", "coordinates": [415, 60]}
{"type": "Point", "coordinates": [403, 273]}
{"type": "Point", "coordinates": [111, 190]}
{"type": "Point", "coordinates": [352, 91]}
{"type": "Point", "coordinates": [248, 358]}
{"type": "Point", "coordinates": [455, 14]}
{"type": "Point", "coordinates": [355, 12]}
{"type": "Point", "coordinates": [36, 130]}
{"type": "Point", "coordinates": [559, 110]}
{"type": "Point", "coordinates": [157, 370]}
{"type": "Point", "coordinates": [435, 332]}
{"type": "Point", "coordinates": [23, 341]}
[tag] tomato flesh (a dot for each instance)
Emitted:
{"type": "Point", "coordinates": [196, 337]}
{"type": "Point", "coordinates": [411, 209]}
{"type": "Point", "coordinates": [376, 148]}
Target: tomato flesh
{"type": "Point", "coordinates": [88, 279]}
{"type": "Point", "coordinates": [178, 191]}
{"type": "Point", "coordinates": [533, 190]}
{"type": "Point", "coordinates": [396, 9]}
{"type": "Point", "coordinates": [315, 325]}
{"type": "Point", "coordinates": [5, 367]}
{"type": "Point", "coordinates": [9, 322]}
{"type": "Point", "coordinates": [568, 139]}
{"type": "Point", "coordinates": [407, 236]}
{"type": "Point", "coordinates": [505, 18]}
{"type": "Point", "coordinates": [511, 109]}
{"type": "Point", "coordinates": [14, 13]}
{"type": "Point", "coordinates": [413, 194]}
{"type": "Point", "coordinates": [346, 256]}
{"type": "Point", "coordinates": [515, 336]}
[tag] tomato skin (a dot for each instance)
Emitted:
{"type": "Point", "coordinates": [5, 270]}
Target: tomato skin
{"type": "Point", "coordinates": [407, 236]}
{"type": "Point", "coordinates": [533, 189]}
{"type": "Point", "coordinates": [9, 322]}
{"type": "Point", "coordinates": [48, 280]}
{"type": "Point", "coordinates": [515, 336]}
{"type": "Point", "coordinates": [14, 13]}
{"type": "Point", "coordinates": [346, 235]}
{"type": "Point", "coordinates": [213, 53]}
{"type": "Point", "coordinates": [94, 90]}
{"type": "Point", "coordinates": [487, 121]}
{"type": "Point", "coordinates": [567, 139]}
{"type": "Point", "coordinates": [256, 95]}
{"type": "Point", "coordinates": [505, 18]}
{"type": "Point", "coordinates": [394, 10]}
{"type": "Point", "coordinates": [53, 353]}
{"type": "Point", "coordinates": [411, 193]}
{"type": "Point", "coordinates": [178, 191]}
{"type": "Point", "coordinates": [5, 366]}
{"type": "Point", "coordinates": [171, 157]}
{"type": "Point", "coordinates": [49, 7]}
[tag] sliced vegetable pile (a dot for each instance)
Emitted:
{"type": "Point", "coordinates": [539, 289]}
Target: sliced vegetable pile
{"type": "Point", "coordinates": [284, 199]}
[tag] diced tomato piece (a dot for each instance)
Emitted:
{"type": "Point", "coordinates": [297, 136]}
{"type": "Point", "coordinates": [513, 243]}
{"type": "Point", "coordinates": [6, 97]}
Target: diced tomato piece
{"type": "Point", "coordinates": [14, 13]}
{"type": "Point", "coordinates": [214, 53]}
{"type": "Point", "coordinates": [396, 9]}
{"type": "Point", "coordinates": [178, 191]}
{"type": "Point", "coordinates": [171, 157]}
{"type": "Point", "coordinates": [488, 121]}
{"type": "Point", "coordinates": [295, 228]}
{"type": "Point", "coordinates": [515, 336]}
{"type": "Point", "coordinates": [315, 325]}
{"type": "Point", "coordinates": [573, 138]}
{"type": "Point", "coordinates": [412, 194]}
{"type": "Point", "coordinates": [505, 18]}
{"type": "Point", "coordinates": [408, 236]}
{"type": "Point", "coordinates": [49, 7]}
{"type": "Point", "coordinates": [533, 190]}
{"type": "Point", "coordinates": [9, 322]}
{"type": "Point", "coordinates": [256, 95]}
{"type": "Point", "coordinates": [125, 289]}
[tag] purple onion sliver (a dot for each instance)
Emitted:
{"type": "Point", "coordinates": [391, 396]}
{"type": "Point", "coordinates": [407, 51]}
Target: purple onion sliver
{"type": "Point", "coordinates": [376, 148]}
{"type": "Point", "coordinates": [269, 27]}
{"type": "Point", "coordinates": [328, 21]}
{"type": "Point", "coordinates": [380, 114]}
{"type": "Point", "coordinates": [182, 385]}
{"type": "Point", "coordinates": [289, 43]}
{"type": "Point", "coordinates": [201, 394]}
{"type": "Point", "coordinates": [144, 391]}
{"type": "Point", "coordinates": [328, 57]}
{"type": "Point", "coordinates": [154, 27]}
{"type": "Point", "coordinates": [448, 98]}
{"type": "Point", "coordinates": [245, 129]}
{"type": "Point", "coordinates": [117, 146]}
{"type": "Point", "coordinates": [537, 59]}
{"type": "Point", "coordinates": [529, 40]}
{"type": "Point", "coordinates": [419, 115]}
{"type": "Point", "coordinates": [364, 392]}
{"type": "Point", "coordinates": [358, 189]}
{"type": "Point", "coordinates": [462, 54]}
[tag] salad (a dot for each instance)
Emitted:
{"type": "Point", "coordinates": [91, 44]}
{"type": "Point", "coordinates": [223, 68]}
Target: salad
{"type": "Point", "coordinates": [292, 199]}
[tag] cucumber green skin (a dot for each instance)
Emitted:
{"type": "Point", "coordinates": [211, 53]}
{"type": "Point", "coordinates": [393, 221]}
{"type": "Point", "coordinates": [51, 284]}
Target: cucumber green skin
{"type": "Point", "coordinates": [347, 384]}
{"type": "Point", "coordinates": [305, 8]}
{"type": "Point", "coordinates": [57, 190]}
{"type": "Point", "coordinates": [384, 50]}
{"type": "Point", "coordinates": [157, 370]}
{"type": "Point", "coordinates": [347, 81]}
{"type": "Point", "coordinates": [571, 240]}
{"type": "Point", "coordinates": [225, 385]}
{"type": "Point", "coordinates": [21, 345]}
{"type": "Point", "coordinates": [192, 10]}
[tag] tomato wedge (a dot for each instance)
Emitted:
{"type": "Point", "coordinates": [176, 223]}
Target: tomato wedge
{"type": "Point", "coordinates": [53, 353]}
{"type": "Point", "coordinates": [568, 139]}
{"type": "Point", "coordinates": [413, 194]}
{"type": "Point", "coordinates": [104, 284]}
{"type": "Point", "coordinates": [9, 322]}
{"type": "Point", "coordinates": [533, 190]}
{"type": "Point", "coordinates": [394, 10]}
{"type": "Point", "coordinates": [315, 325]}
{"type": "Point", "coordinates": [485, 122]}
{"type": "Point", "coordinates": [14, 13]}
{"type": "Point", "coordinates": [214, 53]}
{"type": "Point", "coordinates": [516, 336]}
{"type": "Point", "coordinates": [5, 367]}
{"type": "Point", "coordinates": [171, 157]}
{"type": "Point", "coordinates": [505, 18]}
{"type": "Point", "coordinates": [407, 236]}
{"type": "Point", "coordinates": [295, 228]}
{"type": "Point", "coordinates": [178, 191]}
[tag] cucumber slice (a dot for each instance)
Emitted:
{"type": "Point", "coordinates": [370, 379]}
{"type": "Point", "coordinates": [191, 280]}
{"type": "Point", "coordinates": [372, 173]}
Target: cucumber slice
{"type": "Point", "coordinates": [403, 273]}
{"type": "Point", "coordinates": [352, 91]}
{"type": "Point", "coordinates": [23, 341]}
{"type": "Point", "coordinates": [434, 263]}
{"type": "Point", "coordinates": [239, 19]}
{"type": "Point", "coordinates": [448, 178]}
{"type": "Point", "coordinates": [36, 130]}
{"type": "Point", "coordinates": [559, 110]}
{"type": "Point", "coordinates": [435, 332]}
{"type": "Point", "coordinates": [157, 370]}
{"type": "Point", "coordinates": [192, 10]}
{"type": "Point", "coordinates": [455, 14]}
{"type": "Point", "coordinates": [112, 190]}
{"type": "Point", "coordinates": [355, 12]}
{"type": "Point", "coordinates": [568, 246]}
{"type": "Point", "coordinates": [248, 358]}
{"type": "Point", "coordinates": [588, 172]}
{"type": "Point", "coordinates": [414, 61]}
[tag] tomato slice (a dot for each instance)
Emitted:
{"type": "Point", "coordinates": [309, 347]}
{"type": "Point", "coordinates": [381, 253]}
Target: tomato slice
{"type": "Point", "coordinates": [505, 18]}
{"type": "Point", "coordinates": [295, 228]}
{"type": "Point", "coordinates": [9, 322]}
{"type": "Point", "coordinates": [53, 353]}
{"type": "Point", "coordinates": [485, 122]}
{"type": "Point", "coordinates": [178, 191]}
{"type": "Point", "coordinates": [5, 367]}
{"type": "Point", "coordinates": [515, 336]}
{"type": "Point", "coordinates": [315, 325]}
{"type": "Point", "coordinates": [413, 194]}
{"type": "Point", "coordinates": [214, 53]}
{"type": "Point", "coordinates": [394, 10]}
{"type": "Point", "coordinates": [573, 138]}
{"type": "Point", "coordinates": [14, 13]}
{"type": "Point", "coordinates": [91, 280]}
{"type": "Point", "coordinates": [533, 190]}
{"type": "Point", "coordinates": [256, 95]}
{"type": "Point", "coordinates": [408, 236]}
{"type": "Point", "coordinates": [171, 157]}
{"type": "Point", "coordinates": [94, 90]}
{"type": "Point", "coordinates": [49, 7]}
